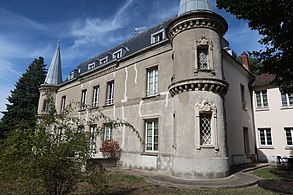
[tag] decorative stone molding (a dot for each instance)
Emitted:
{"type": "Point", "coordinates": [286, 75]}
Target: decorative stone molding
{"type": "Point", "coordinates": [98, 74]}
{"type": "Point", "coordinates": [197, 20]}
{"type": "Point", "coordinates": [214, 85]}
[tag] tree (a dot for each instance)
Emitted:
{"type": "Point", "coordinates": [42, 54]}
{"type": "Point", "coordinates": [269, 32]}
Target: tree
{"type": "Point", "coordinates": [274, 21]}
{"type": "Point", "coordinates": [23, 101]}
{"type": "Point", "coordinates": [53, 155]}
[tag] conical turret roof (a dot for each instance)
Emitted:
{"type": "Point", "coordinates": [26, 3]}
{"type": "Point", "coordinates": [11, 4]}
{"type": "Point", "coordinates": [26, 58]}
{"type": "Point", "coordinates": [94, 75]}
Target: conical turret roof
{"type": "Point", "coordinates": [54, 75]}
{"type": "Point", "coordinates": [194, 5]}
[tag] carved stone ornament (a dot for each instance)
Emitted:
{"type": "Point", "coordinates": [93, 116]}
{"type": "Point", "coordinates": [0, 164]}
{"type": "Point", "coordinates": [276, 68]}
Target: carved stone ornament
{"type": "Point", "coordinates": [202, 41]}
{"type": "Point", "coordinates": [206, 106]}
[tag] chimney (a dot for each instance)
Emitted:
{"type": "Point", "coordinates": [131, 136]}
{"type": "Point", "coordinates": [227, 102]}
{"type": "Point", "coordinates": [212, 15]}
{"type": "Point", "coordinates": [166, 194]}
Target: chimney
{"type": "Point", "coordinates": [245, 61]}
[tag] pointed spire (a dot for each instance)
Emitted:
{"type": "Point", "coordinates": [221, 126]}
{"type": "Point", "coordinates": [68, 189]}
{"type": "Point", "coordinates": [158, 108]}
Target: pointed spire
{"type": "Point", "coordinates": [54, 75]}
{"type": "Point", "coordinates": [194, 5]}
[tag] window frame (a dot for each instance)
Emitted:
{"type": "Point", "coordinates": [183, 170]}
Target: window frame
{"type": "Point", "coordinates": [154, 148]}
{"type": "Point", "coordinates": [117, 54]}
{"type": "Point", "coordinates": [243, 98]}
{"type": "Point", "coordinates": [83, 98]}
{"type": "Point", "coordinates": [160, 34]}
{"type": "Point", "coordinates": [63, 104]}
{"type": "Point", "coordinates": [287, 97]}
{"type": "Point", "coordinates": [208, 116]}
{"type": "Point", "coordinates": [104, 60]}
{"type": "Point", "coordinates": [152, 82]}
{"type": "Point", "coordinates": [259, 96]}
{"type": "Point", "coordinates": [95, 99]}
{"type": "Point", "coordinates": [202, 48]}
{"type": "Point", "coordinates": [265, 133]}
{"type": "Point", "coordinates": [290, 129]}
{"type": "Point", "coordinates": [110, 93]}
{"type": "Point", "coordinates": [108, 132]}
{"type": "Point", "coordinates": [93, 139]}
{"type": "Point", "coordinates": [91, 66]}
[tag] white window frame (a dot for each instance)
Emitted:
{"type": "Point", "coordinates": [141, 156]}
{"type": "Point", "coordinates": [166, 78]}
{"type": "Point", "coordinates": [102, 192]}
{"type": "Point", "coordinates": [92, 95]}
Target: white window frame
{"type": "Point", "coordinates": [83, 101]}
{"type": "Point", "coordinates": [152, 145]}
{"type": "Point", "coordinates": [290, 130]}
{"type": "Point", "coordinates": [104, 60]}
{"type": "Point", "coordinates": [108, 133]}
{"type": "Point", "coordinates": [63, 102]}
{"type": "Point", "coordinates": [205, 115]}
{"type": "Point", "coordinates": [117, 54]}
{"type": "Point", "coordinates": [152, 81]}
{"type": "Point", "coordinates": [71, 76]}
{"type": "Point", "coordinates": [96, 91]}
{"type": "Point", "coordinates": [287, 97]}
{"type": "Point", "coordinates": [93, 139]}
{"type": "Point", "coordinates": [159, 34]}
{"type": "Point", "coordinates": [262, 94]}
{"type": "Point", "coordinates": [91, 66]}
{"type": "Point", "coordinates": [110, 93]}
{"type": "Point", "coordinates": [206, 49]}
{"type": "Point", "coordinates": [265, 132]}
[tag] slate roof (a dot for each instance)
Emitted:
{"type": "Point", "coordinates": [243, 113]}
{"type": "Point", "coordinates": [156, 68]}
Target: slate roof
{"type": "Point", "coordinates": [133, 45]}
{"type": "Point", "coordinates": [263, 79]}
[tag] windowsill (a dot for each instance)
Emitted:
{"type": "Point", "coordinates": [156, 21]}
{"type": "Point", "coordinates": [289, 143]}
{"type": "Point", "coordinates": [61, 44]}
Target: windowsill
{"type": "Point", "coordinates": [149, 153]}
{"type": "Point", "coordinates": [262, 109]}
{"type": "Point", "coordinates": [286, 107]}
{"type": "Point", "coordinates": [82, 110]}
{"type": "Point", "coordinates": [108, 105]}
{"type": "Point", "coordinates": [207, 147]}
{"type": "Point", "coordinates": [94, 108]}
{"type": "Point", "coordinates": [266, 147]}
{"type": "Point", "coordinates": [150, 96]}
{"type": "Point", "coordinates": [289, 148]}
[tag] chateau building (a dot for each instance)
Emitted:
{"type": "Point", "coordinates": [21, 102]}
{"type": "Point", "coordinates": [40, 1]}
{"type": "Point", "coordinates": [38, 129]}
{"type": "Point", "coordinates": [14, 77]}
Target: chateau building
{"type": "Point", "coordinates": [179, 85]}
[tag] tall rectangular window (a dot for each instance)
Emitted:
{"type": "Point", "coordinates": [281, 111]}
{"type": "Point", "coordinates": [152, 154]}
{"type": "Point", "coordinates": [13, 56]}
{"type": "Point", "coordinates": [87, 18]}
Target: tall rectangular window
{"type": "Point", "coordinates": [289, 136]}
{"type": "Point", "coordinates": [152, 81]}
{"type": "Point", "coordinates": [151, 135]}
{"type": "Point", "coordinates": [287, 99]}
{"type": "Point", "coordinates": [110, 93]}
{"type": "Point", "coordinates": [205, 128]}
{"type": "Point", "coordinates": [202, 57]}
{"type": "Point", "coordinates": [96, 90]}
{"type": "Point", "coordinates": [261, 99]}
{"type": "Point", "coordinates": [93, 139]}
{"type": "Point", "coordinates": [107, 133]}
{"type": "Point", "coordinates": [45, 105]}
{"type": "Point", "coordinates": [243, 100]}
{"type": "Point", "coordinates": [265, 136]}
{"type": "Point", "coordinates": [83, 99]}
{"type": "Point", "coordinates": [63, 101]}
{"type": "Point", "coordinates": [246, 141]}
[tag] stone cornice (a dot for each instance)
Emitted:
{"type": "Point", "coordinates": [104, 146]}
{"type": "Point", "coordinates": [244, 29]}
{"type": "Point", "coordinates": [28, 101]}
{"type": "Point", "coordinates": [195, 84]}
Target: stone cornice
{"type": "Point", "coordinates": [197, 20]}
{"type": "Point", "coordinates": [98, 73]}
{"type": "Point", "coordinates": [203, 84]}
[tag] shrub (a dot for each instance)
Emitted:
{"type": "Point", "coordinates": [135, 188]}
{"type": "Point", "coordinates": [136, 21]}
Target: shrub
{"type": "Point", "coordinates": [110, 149]}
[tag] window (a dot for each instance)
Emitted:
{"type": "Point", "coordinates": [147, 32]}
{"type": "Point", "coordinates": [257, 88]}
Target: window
{"type": "Point", "coordinates": [96, 90]}
{"type": "Point", "coordinates": [261, 99]}
{"type": "Point", "coordinates": [151, 135]}
{"type": "Point", "coordinates": [45, 105]}
{"type": "Point", "coordinates": [287, 99]}
{"type": "Point", "coordinates": [243, 101]}
{"type": "Point", "coordinates": [205, 129]}
{"type": "Point", "coordinates": [117, 54]}
{"type": "Point", "coordinates": [63, 101]}
{"type": "Point", "coordinates": [265, 137]}
{"type": "Point", "coordinates": [93, 139]}
{"type": "Point", "coordinates": [104, 60]}
{"type": "Point", "coordinates": [107, 133]}
{"type": "Point", "coordinates": [289, 136]}
{"type": "Point", "coordinates": [202, 57]}
{"type": "Point", "coordinates": [83, 99]}
{"type": "Point", "coordinates": [152, 81]}
{"type": "Point", "coordinates": [110, 93]}
{"type": "Point", "coordinates": [246, 141]}
{"type": "Point", "coordinates": [70, 76]}
{"type": "Point", "coordinates": [158, 36]}
{"type": "Point", "coordinates": [91, 66]}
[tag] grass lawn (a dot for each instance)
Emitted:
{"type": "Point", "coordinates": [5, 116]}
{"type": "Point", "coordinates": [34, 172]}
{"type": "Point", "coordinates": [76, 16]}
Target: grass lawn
{"type": "Point", "coordinates": [274, 173]}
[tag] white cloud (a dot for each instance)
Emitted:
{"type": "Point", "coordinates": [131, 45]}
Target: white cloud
{"type": "Point", "coordinates": [94, 30]}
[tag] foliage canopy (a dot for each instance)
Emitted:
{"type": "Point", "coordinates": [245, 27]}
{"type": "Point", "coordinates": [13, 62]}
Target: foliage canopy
{"type": "Point", "coordinates": [274, 21]}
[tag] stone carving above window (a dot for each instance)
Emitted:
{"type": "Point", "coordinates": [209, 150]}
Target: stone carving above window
{"type": "Point", "coordinates": [206, 106]}
{"type": "Point", "coordinates": [203, 55]}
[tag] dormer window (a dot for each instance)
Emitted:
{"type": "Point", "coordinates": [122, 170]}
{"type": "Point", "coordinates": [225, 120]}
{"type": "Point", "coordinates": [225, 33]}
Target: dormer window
{"type": "Point", "coordinates": [158, 36]}
{"type": "Point", "coordinates": [91, 66]}
{"type": "Point", "coordinates": [117, 54]}
{"type": "Point", "coordinates": [104, 60]}
{"type": "Point", "coordinates": [71, 76]}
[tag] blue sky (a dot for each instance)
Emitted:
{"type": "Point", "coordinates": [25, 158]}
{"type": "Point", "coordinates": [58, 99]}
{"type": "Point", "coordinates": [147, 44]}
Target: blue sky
{"type": "Point", "coordinates": [32, 28]}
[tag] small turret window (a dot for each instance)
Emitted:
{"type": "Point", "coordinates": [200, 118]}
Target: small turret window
{"type": "Point", "coordinates": [202, 54]}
